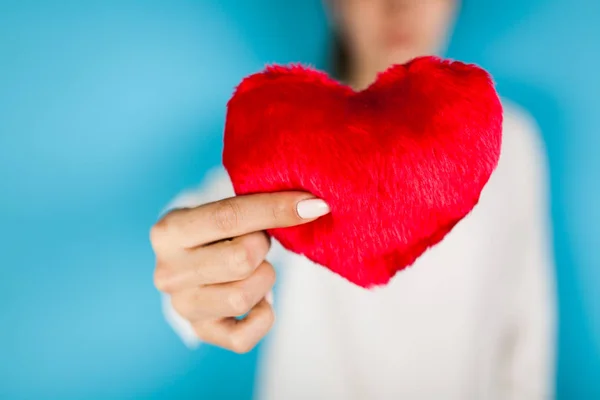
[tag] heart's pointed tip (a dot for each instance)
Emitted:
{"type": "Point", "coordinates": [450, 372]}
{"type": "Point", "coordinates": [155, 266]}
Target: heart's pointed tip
{"type": "Point", "coordinates": [369, 278]}
{"type": "Point", "coordinates": [373, 286]}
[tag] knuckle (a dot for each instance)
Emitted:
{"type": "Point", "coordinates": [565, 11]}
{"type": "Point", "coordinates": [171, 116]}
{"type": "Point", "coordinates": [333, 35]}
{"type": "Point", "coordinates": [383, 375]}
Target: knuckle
{"type": "Point", "coordinates": [162, 229]}
{"type": "Point", "coordinates": [182, 305]}
{"type": "Point", "coordinates": [239, 302]}
{"type": "Point", "coordinates": [269, 319]}
{"type": "Point", "coordinates": [197, 304]}
{"type": "Point", "coordinates": [226, 215]}
{"type": "Point", "coordinates": [240, 263]}
{"type": "Point", "coordinates": [161, 278]}
{"type": "Point", "coordinates": [240, 343]}
{"type": "Point", "coordinates": [270, 274]}
{"type": "Point", "coordinates": [201, 330]}
{"type": "Point", "coordinates": [158, 233]}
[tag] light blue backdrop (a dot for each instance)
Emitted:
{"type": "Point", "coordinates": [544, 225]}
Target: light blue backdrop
{"type": "Point", "coordinates": [107, 109]}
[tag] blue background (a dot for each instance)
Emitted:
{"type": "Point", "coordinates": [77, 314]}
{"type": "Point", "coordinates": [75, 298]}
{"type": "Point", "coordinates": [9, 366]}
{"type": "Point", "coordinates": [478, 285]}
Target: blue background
{"type": "Point", "coordinates": [107, 109]}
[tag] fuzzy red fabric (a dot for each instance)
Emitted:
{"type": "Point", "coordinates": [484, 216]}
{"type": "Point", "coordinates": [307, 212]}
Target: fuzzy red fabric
{"type": "Point", "coordinates": [399, 163]}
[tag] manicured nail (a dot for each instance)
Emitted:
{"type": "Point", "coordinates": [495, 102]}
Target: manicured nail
{"type": "Point", "coordinates": [269, 298]}
{"type": "Point", "coordinates": [312, 208]}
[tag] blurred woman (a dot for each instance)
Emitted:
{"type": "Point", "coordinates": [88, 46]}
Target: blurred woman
{"type": "Point", "coordinates": [472, 319]}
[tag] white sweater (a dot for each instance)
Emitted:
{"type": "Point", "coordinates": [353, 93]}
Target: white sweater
{"type": "Point", "coordinates": [474, 318]}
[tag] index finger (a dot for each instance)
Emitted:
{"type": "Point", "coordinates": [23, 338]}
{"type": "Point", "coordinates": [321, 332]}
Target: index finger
{"type": "Point", "coordinates": [240, 215]}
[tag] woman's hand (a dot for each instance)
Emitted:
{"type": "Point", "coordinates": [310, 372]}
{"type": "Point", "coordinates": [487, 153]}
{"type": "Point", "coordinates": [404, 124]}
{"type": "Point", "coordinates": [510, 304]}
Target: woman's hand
{"type": "Point", "coordinates": [211, 261]}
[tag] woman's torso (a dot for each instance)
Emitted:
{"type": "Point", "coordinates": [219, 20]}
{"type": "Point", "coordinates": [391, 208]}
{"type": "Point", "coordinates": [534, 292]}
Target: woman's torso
{"type": "Point", "coordinates": [439, 330]}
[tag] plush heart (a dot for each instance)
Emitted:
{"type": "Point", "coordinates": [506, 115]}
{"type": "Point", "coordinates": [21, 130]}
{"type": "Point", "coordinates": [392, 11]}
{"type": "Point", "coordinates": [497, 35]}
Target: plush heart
{"type": "Point", "coordinates": [399, 163]}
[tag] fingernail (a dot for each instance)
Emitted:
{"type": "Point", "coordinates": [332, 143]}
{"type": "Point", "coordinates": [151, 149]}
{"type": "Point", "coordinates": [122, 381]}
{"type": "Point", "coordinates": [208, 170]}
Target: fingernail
{"type": "Point", "coordinates": [312, 208]}
{"type": "Point", "coordinates": [269, 298]}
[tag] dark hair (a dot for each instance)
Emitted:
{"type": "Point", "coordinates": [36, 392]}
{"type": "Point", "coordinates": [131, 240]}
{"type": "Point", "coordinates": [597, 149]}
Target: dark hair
{"type": "Point", "coordinates": [339, 58]}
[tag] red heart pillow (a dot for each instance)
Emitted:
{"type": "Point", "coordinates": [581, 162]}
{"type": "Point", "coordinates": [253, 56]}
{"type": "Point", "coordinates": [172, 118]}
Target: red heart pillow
{"type": "Point", "coordinates": [399, 163]}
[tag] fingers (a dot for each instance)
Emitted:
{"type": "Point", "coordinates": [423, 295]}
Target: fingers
{"type": "Point", "coordinates": [225, 261]}
{"type": "Point", "coordinates": [235, 216]}
{"type": "Point", "coordinates": [239, 336]}
{"type": "Point", "coordinates": [231, 299]}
